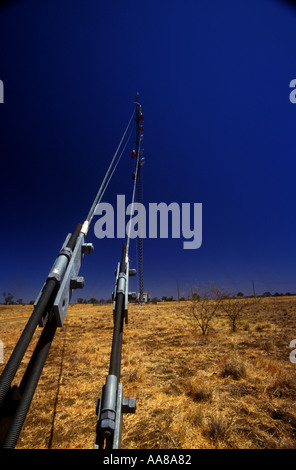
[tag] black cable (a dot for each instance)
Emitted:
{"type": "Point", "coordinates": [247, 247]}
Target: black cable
{"type": "Point", "coordinates": [25, 338]}
{"type": "Point", "coordinates": [29, 382]}
{"type": "Point", "coordinates": [115, 359]}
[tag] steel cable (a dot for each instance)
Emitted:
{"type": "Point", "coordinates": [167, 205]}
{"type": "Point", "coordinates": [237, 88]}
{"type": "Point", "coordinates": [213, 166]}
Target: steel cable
{"type": "Point", "coordinates": [102, 187]}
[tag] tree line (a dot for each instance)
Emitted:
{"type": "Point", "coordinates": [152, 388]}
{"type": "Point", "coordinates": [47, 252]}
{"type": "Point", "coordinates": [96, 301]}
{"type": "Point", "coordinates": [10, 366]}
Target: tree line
{"type": "Point", "coordinates": [203, 306]}
{"type": "Point", "coordinates": [8, 298]}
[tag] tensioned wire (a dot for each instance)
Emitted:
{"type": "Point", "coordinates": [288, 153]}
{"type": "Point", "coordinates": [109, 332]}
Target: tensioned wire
{"type": "Point", "coordinates": [105, 184]}
{"type": "Point", "coordinates": [119, 158]}
{"type": "Point", "coordinates": [103, 187]}
{"type": "Point", "coordinates": [133, 200]}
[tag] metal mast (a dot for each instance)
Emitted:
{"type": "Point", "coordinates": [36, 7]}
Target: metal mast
{"type": "Point", "coordinates": [139, 130]}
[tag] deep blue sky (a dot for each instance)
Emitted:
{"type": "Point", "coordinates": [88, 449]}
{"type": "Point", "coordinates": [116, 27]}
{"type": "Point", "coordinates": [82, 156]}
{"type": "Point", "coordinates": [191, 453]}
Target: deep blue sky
{"type": "Point", "coordinates": [219, 129]}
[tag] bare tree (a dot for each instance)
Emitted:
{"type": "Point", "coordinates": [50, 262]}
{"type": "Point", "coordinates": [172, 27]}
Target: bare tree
{"type": "Point", "coordinates": [234, 308]}
{"type": "Point", "coordinates": [7, 298]}
{"type": "Point", "coordinates": [204, 306]}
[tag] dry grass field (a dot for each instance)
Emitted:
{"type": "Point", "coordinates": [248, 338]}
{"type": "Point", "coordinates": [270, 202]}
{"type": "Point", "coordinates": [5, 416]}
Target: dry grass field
{"type": "Point", "coordinates": [223, 390]}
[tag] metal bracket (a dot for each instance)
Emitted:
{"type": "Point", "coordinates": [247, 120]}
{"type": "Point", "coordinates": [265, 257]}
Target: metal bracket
{"type": "Point", "coordinates": [71, 280]}
{"type": "Point", "coordinates": [54, 274]}
{"type": "Point", "coordinates": [121, 285]}
{"type": "Point", "coordinates": [110, 420]}
{"type": "Point", "coordinates": [65, 271]}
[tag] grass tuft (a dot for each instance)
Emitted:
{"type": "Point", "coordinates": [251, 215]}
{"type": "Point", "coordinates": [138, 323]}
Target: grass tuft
{"type": "Point", "coordinates": [234, 368]}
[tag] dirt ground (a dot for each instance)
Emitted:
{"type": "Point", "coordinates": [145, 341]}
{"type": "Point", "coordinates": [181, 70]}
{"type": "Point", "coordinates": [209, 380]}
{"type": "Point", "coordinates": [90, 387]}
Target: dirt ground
{"type": "Point", "coordinates": [223, 390]}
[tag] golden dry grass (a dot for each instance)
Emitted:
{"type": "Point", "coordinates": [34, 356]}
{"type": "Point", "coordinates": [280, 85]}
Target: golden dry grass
{"type": "Point", "coordinates": [225, 390]}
